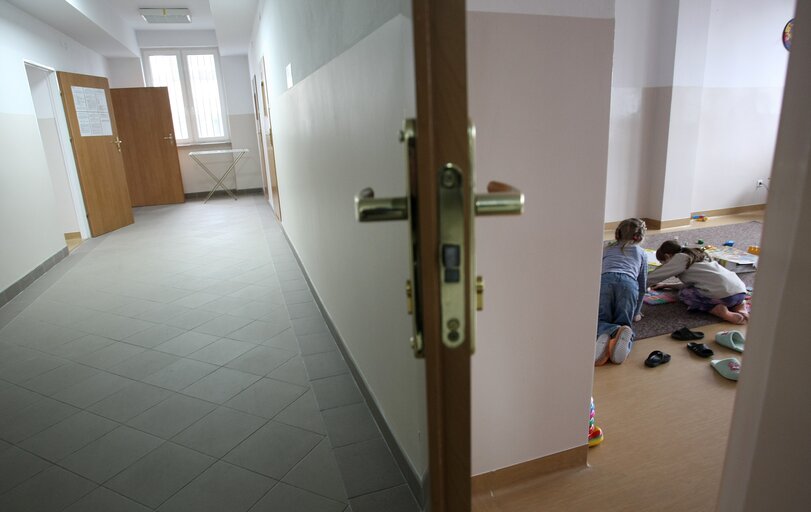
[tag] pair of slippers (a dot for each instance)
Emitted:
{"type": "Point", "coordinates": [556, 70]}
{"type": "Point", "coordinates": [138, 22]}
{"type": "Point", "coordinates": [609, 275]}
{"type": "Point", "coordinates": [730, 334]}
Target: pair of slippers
{"type": "Point", "coordinates": [729, 368]}
{"type": "Point", "coordinates": [685, 334]}
{"type": "Point", "coordinates": [731, 339]}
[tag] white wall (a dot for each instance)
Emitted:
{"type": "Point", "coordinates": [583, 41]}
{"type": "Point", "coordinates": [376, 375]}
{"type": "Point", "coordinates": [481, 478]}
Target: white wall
{"type": "Point", "coordinates": [743, 89]}
{"type": "Point", "coordinates": [125, 72]}
{"type": "Point", "coordinates": [335, 132]}
{"type": "Point", "coordinates": [175, 38]}
{"type": "Point", "coordinates": [542, 122]}
{"type": "Point", "coordinates": [31, 231]}
{"type": "Point", "coordinates": [766, 465]}
{"type": "Point", "coordinates": [241, 119]}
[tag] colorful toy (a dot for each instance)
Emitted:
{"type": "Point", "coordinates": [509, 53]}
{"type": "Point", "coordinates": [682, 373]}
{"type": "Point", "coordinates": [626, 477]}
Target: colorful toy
{"type": "Point", "coordinates": [700, 242]}
{"type": "Point", "coordinates": [700, 218]}
{"type": "Point", "coordinates": [754, 249]}
{"type": "Point", "coordinates": [729, 243]}
{"type": "Point", "coordinates": [595, 432]}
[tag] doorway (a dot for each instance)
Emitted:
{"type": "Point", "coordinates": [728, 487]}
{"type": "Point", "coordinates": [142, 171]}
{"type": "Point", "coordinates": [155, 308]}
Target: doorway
{"type": "Point", "coordinates": [58, 153]}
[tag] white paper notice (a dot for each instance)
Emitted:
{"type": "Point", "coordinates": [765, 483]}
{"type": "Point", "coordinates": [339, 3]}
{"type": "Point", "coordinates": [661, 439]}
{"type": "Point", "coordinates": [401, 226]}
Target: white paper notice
{"type": "Point", "coordinates": [92, 111]}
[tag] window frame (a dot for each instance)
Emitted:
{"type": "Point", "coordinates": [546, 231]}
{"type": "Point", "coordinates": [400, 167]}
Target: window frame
{"type": "Point", "coordinates": [186, 88]}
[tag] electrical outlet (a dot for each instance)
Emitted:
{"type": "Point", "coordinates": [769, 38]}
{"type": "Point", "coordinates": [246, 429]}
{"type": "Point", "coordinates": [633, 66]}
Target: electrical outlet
{"type": "Point", "coordinates": [760, 183]}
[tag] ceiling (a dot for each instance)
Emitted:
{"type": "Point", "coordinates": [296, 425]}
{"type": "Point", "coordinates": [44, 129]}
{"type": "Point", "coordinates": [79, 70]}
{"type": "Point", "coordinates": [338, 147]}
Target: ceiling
{"type": "Point", "coordinates": [110, 26]}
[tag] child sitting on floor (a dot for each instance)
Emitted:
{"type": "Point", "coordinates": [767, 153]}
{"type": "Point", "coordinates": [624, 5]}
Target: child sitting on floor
{"type": "Point", "coordinates": [622, 288]}
{"type": "Point", "coordinates": [707, 287]}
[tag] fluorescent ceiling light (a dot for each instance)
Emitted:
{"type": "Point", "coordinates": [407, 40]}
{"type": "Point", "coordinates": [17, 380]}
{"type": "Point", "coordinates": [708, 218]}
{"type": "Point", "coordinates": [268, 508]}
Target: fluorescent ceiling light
{"type": "Point", "coordinates": [165, 15]}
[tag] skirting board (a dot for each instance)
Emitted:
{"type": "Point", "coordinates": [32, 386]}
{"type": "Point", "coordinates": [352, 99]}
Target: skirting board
{"type": "Point", "coordinates": [16, 288]}
{"type": "Point", "coordinates": [675, 223]}
{"type": "Point", "coordinates": [73, 235]}
{"type": "Point", "coordinates": [417, 484]}
{"type": "Point", "coordinates": [221, 193]}
{"type": "Point", "coordinates": [732, 211]}
{"type": "Point", "coordinates": [491, 483]}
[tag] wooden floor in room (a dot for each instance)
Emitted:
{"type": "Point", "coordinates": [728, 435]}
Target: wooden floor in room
{"type": "Point", "coordinates": [666, 432]}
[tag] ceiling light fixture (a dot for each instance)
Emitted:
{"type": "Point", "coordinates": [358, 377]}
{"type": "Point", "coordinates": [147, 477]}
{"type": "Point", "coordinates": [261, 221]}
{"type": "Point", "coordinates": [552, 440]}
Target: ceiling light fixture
{"type": "Point", "coordinates": [162, 15]}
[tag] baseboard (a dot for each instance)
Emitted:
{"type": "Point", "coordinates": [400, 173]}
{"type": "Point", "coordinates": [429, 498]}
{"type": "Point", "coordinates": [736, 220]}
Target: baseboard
{"type": "Point", "coordinates": [417, 483]}
{"type": "Point", "coordinates": [221, 193]}
{"type": "Point", "coordinates": [490, 483]}
{"type": "Point", "coordinates": [73, 235]}
{"type": "Point", "coordinates": [732, 211]}
{"type": "Point", "coordinates": [16, 288]}
{"type": "Point", "coordinates": [675, 223]}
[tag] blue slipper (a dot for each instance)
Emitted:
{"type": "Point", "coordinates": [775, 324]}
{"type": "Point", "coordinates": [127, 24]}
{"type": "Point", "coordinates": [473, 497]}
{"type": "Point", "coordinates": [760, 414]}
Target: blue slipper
{"type": "Point", "coordinates": [731, 339]}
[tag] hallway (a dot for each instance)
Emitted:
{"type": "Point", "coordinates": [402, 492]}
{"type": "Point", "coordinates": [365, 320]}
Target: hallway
{"type": "Point", "coordinates": [181, 364]}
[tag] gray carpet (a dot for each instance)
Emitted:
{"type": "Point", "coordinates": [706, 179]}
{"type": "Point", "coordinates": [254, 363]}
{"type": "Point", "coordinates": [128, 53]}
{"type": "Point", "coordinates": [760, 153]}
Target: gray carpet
{"type": "Point", "coordinates": [666, 318]}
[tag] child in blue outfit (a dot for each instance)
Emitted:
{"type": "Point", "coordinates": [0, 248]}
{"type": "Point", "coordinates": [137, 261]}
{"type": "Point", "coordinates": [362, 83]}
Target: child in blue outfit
{"type": "Point", "coordinates": [622, 288]}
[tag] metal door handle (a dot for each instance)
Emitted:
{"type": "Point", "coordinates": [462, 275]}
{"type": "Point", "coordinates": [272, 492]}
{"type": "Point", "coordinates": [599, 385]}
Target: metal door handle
{"type": "Point", "coordinates": [368, 208]}
{"type": "Point", "coordinates": [501, 199]}
{"type": "Point", "coordinates": [171, 137]}
{"type": "Point", "coordinates": [117, 143]}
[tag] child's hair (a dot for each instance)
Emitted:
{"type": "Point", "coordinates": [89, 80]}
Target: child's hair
{"type": "Point", "coordinates": [671, 247]}
{"type": "Point", "coordinates": [630, 231]}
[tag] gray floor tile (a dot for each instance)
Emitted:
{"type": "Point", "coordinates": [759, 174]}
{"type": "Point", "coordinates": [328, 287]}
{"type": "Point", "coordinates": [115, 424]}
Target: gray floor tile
{"type": "Point", "coordinates": [154, 336]}
{"type": "Point", "coordinates": [336, 391]}
{"type": "Point", "coordinates": [130, 401]}
{"type": "Point", "coordinates": [53, 489]}
{"type": "Point", "coordinates": [223, 325]}
{"type": "Point", "coordinates": [283, 264]}
{"type": "Point", "coordinates": [135, 307]}
{"type": "Point", "coordinates": [221, 385]}
{"type": "Point", "coordinates": [316, 343]}
{"type": "Point", "coordinates": [24, 370]}
{"type": "Point", "coordinates": [81, 347]}
{"type": "Point", "coordinates": [171, 416]}
{"type": "Point", "coordinates": [325, 364]}
{"type": "Point", "coordinates": [160, 474]}
{"type": "Point", "coordinates": [57, 313]}
{"type": "Point", "coordinates": [68, 436]}
{"type": "Point", "coordinates": [367, 467]}
{"type": "Point", "coordinates": [258, 332]}
{"type": "Point", "coordinates": [91, 390]}
{"type": "Point", "coordinates": [180, 374]}
{"type": "Point", "coordinates": [17, 466]}
{"type": "Point", "coordinates": [109, 356]}
{"type": "Point", "coordinates": [33, 419]}
{"type": "Point", "coordinates": [113, 326]}
{"type": "Point", "coordinates": [225, 287]}
{"type": "Point", "coordinates": [258, 293]}
{"type": "Point", "coordinates": [260, 360]}
{"type": "Point", "coordinates": [226, 305]}
{"type": "Point", "coordinates": [304, 310]}
{"type": "Point", "coordinates": [286, 340]}
{"type": "Point", "coordinates": [274, 449]}
{"type": "Point", "coordinates": [266, 397]}
{"type": "Point", "coordinates": [192, 318]}
{"type": "Point", "coordinates": [292, 371]}
{"type": "Point", "coordinates": [221, 351]}
{"type": "Point", "coordinates": [195, 300]}
{"type": "Point", "coordinates": [318, 472]}
{"type": "Point", "coordinates": [219, 432]}
{"type": "Point", "coordinates": [60, 378]}
{"type": "Point", "coordinates": [144, 364]}
{"type": "Point", "coordinates": [108, 455]}
{"type": "Point", "coordinates": [254, 310]}
{"type": "Point", "coordinates": [221, 488]}
{"type": "Point", "coordinates": [163, 313]}
{"type": "Point", "coordinates": [298, 297]}
{"type": "Point", "coordinates": [289, 275]}
{"type": "Point", "coordinates": [15, 398]}
{"type": "Point", "coordinates": [350, 424]}
{"type": "Point", "coordinates": [303, 413]}
{"type": "Point", "coordinates": [105, 500]}
{"type": "Point", "coordinates": [285, 498]}
{"type": "Point", "coordinates": [396, 499]}
{"type": "Point", "coordinates": [294, 285]}
{"type": "Point", "coordinates": [187, 343]}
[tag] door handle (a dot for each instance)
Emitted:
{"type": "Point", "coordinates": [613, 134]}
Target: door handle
{"type": "Point", "coordinates": [170, 137]}
{"type": "Point", "coordinates": [369, 208]}
{"type": "Point", "coordinates": [501, 199]}
{"type": "Point", "coordinates": [117, 143]}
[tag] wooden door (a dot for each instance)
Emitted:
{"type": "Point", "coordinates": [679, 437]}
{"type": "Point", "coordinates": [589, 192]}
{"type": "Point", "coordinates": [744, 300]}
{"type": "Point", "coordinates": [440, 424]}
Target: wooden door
{"type": "Point", "coordinates": [151, 163]}
{"type": "Point", "coordinates": [97, 150]}
{"type": "Point", "coordinates": [267, 131]}
{"type": "Point", "coordinates": [442, 138]}
{"type": "Point", "coordinates": [259, 137]}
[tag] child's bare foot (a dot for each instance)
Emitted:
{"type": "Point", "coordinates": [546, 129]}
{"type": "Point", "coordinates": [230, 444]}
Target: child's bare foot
{"type": "Point", "coordinates": [732, 317]}
{"type": "Point", "coordinates": [742, 310]}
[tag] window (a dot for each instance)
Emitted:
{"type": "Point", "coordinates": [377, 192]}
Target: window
{"type": "Point", "coordinates": [195, 93]}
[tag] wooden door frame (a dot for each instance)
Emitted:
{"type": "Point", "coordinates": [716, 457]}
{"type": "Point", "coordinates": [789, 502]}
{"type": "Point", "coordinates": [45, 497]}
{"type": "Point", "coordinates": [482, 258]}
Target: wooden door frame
{"type": "Point", "coordinates": [442, 137]}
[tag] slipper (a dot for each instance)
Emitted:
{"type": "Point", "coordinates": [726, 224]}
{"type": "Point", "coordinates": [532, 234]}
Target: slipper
{"type": "Point", "coordinates": [731, 339]}
{"type": "Point", "coordinates": [656, 358]}
{"type": "Point", "coordinates": [700, 349]}
{"type": "Point", "coordinates": [685, 334]}
{"type": "Point", "coordinates": [729, 368]}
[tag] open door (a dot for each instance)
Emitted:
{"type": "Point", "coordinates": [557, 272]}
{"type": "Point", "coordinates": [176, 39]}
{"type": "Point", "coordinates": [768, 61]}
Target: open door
{"type": "Point", "coordinates": [267, 140]}
{"type": "Point", "coordinates": [260, 143]}
{"type": "Point", "coordinates": [97, 150]}
{"type": "Point", "coordinates": [444, 291]}
{"type": "Point", "coordinates": [151, 163]}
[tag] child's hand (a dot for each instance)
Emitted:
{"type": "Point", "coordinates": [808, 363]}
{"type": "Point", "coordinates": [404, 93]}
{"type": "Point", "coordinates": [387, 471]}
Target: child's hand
{"type": "Point", "coordinates": [638, 317]}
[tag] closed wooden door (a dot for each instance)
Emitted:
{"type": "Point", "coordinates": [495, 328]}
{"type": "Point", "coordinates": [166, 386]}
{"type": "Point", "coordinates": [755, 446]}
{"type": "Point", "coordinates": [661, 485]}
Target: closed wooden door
{"type": "Point", "coordinates": [260, 143]}
{"type": "Point", "coordinates": [151, 162]}
{"type": "Point", "coordinates": [267, 138]}
{"type": "Point", "coordinates": [97, 150]}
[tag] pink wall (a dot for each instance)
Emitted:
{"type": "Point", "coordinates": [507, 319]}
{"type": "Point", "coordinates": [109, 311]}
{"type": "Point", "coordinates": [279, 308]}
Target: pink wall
{"type": "Point", "coordinates": [539, 91]}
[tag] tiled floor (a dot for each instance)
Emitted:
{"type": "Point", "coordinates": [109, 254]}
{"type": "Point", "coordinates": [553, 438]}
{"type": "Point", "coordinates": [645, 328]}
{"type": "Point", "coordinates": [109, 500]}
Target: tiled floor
{"type": "Point", "coordinates": [180, 364]}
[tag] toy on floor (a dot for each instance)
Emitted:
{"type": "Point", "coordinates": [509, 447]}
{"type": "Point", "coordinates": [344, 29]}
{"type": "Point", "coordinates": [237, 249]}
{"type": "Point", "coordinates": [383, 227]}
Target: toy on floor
{"type": "Point", "coordinates": [700, 241]}
{"type": "Point", "coordinates": [729, 243]}
{"type": "Point", "coordinates": [595, 432]}
{"type": "Point", "coordinates": [700, 218]}
{"type": "Point", "coordinates": [754, 249]}
{"type": "Point", "coordinates": [655, 297]}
